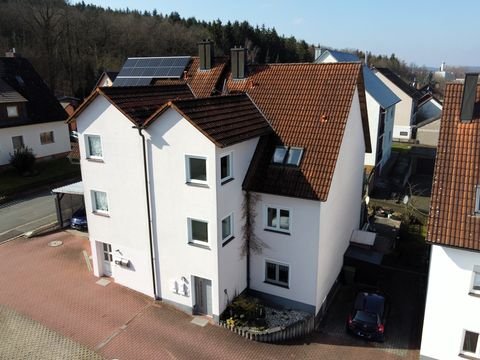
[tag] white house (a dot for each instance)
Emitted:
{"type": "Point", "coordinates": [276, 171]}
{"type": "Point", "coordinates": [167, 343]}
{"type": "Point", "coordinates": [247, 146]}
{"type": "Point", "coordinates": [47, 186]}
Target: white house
{"type": "Point", "coordinates": [451, 328]}
{"type": "Point", "coordinates": [428, 122]}
{"type": "Point", "coordinates": [166, 199]}
{"type": "Point", "coordinates": [30, 116]}
{"type": "Point", "coordinates": [406, 110]}
{"type": "Point", "coordinates": [380, 106]}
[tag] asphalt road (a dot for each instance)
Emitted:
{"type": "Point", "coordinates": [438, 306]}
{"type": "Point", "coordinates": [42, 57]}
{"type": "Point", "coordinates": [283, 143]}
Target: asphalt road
{"type": "Point", "coordinates": [21, 216]}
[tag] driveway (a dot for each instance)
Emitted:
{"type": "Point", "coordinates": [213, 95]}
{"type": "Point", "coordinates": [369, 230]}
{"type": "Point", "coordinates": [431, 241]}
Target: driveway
{"type": "Point", "coordinates": [53, 286]}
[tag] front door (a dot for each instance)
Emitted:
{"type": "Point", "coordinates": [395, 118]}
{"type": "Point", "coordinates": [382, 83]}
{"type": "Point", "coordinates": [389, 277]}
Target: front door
{"type": "Point", "coordinates": [107, 259]}
{"type": "Point", "coordinates": [203, 296]}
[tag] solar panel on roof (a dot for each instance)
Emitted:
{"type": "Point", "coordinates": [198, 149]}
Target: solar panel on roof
{"type": "Point", "coordinates": [141, 71]}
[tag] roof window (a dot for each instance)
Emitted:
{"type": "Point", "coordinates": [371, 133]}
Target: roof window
{"type": "Point", "coordinates": [286, 155]}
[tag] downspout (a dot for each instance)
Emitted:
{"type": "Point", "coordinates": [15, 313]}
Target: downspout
{"type": "Point", "coordinates": [249, 230]}
{"type": "Point", "coordinates": [149, 216]}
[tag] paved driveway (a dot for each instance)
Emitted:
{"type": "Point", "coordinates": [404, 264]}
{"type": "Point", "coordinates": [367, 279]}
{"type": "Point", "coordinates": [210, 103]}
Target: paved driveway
{"type": "Point", "coordinates": [52, 285]}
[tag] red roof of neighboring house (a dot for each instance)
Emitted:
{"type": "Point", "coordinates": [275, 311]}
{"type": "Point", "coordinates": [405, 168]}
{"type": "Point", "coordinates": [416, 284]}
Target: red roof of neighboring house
{"type": "Point", "coordinates": [452, 220]}
{"type": "Point", "coordinates": [307, 106]}
{"type": "Point", "coordinates": [203, 83]}
{"type": "Point", "coordinates": [226, 120]}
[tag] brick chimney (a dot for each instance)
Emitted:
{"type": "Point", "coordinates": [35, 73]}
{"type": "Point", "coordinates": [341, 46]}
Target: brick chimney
{"type": "Point", "coordinates": [469, 97]}
{"type": "Point", "coordinates": [239, 61]}
{"type": "Point", "coordinates": [205, 52]}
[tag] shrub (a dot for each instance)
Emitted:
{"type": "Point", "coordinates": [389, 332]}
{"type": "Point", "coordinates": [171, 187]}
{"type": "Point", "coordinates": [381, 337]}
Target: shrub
{"type": "Point", "coordinates": [23, 159]}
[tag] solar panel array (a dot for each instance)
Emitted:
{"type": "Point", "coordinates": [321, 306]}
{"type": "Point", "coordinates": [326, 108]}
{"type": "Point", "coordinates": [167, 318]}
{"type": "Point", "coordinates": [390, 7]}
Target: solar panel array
{"type": "Point", "coordinates": [141, 71]}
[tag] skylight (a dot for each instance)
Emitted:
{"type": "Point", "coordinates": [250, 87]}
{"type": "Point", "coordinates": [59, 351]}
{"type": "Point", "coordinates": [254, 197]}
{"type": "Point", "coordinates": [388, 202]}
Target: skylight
{"type": "Point", "coordinates": [287, 155]}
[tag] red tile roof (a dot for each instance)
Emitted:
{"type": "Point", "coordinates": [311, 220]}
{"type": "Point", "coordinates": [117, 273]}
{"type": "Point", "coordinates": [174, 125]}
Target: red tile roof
{"type": "Point", "coordinates": [307, 106]}
{"type": "Point", "coordinates": [138, 103]}
{"type": "Point", "coordinates": [203, 83]}
{"type": "Point", "coordinates": [452, 221]}
{"type": "Point", "coordinates": [226, 120]}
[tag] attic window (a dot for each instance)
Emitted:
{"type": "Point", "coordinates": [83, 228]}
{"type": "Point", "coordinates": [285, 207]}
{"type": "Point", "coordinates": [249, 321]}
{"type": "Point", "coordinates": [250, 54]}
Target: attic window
{"type": "Point", "coordinates": [287, 155]}
{"type": "Point", "coordinates": [12, 111]}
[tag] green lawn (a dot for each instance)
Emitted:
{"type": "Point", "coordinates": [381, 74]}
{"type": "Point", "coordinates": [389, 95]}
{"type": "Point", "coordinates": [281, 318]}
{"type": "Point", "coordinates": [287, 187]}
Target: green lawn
{"type": "Point", "coordinates": [401, 147]}
{"type": "Point", "coordinates": [48, 172]}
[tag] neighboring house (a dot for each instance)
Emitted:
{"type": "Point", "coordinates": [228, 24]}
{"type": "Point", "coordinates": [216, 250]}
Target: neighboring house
{"type": "Point", "coordinates": [406, 109]}
{"type": "Point", "coordinates": [428, 122]}
{"type": "Point", "coordinates": [381, 110]}
{"type": "Point", "coordinates": [451, 328]}
{"type": "Point", "coordinates": [30, 115]}
{"type": "Point", "coordinates": [442, 75]}
{"type": "Point", "coordinates": [283, 152]}
{"type": "Point", "coordinates": [106, 79]}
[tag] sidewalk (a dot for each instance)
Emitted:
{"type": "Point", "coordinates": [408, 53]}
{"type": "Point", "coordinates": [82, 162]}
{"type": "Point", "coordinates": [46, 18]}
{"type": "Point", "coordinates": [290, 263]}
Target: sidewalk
{"type": "Point", "coordinates": [52, 285]}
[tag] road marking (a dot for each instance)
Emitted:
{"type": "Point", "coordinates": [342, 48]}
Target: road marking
{"type": "Point", "coordinates": [28, 223]}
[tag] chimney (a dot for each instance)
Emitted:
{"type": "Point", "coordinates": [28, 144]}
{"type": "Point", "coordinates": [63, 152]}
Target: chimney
{"type": "Point", "coordinates": [11, 53]}
{"type": "Point", "coordinates": [239, 60]}
{"type": "Point", "coordinates": [205, 52]}
{"type": "Point", "coordinates": [318, 52]}
{"type": "Point", "coordinates": [469, 97]}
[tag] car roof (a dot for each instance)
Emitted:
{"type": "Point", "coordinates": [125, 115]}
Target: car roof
{"type": "Point", "coordinates": [370, 302]}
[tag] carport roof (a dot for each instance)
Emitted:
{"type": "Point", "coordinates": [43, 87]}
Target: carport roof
{"type": "Point", "coordinates": [74, 189]}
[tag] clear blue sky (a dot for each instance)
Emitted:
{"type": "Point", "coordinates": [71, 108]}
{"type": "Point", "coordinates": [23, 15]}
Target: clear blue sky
{"type": "Point", "coordinates": [424, 32]}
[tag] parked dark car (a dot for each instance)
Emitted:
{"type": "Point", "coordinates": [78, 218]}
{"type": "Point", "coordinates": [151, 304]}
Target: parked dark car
{"type": "Point", "coordinates": [368, 316]}
{"type": "Point", "coordinates": [79, 220]}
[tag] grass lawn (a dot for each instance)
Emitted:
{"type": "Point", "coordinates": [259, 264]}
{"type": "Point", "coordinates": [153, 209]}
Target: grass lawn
{"type": "Point", "coordinates": [48, 172]}
{"type": "Point", "coordinates": [401, 147]}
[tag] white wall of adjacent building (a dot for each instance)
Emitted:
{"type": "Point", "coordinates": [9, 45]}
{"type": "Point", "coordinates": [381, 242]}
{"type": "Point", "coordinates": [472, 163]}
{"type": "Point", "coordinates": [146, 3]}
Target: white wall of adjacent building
{"type": "Point", "coordinates": [31, 138]}
{"type": "Point", "coordinates": [340, 214]}
{"type": "Point", "coordinates": [120, 175]}
{"type": "Point", "coordinates": [450, 309]}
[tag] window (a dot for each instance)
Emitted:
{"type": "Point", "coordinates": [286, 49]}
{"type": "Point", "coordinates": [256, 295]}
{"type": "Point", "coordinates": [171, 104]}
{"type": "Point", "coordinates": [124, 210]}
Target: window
{"type": "Point", "coordinates": [470, 344]}
{"type": "Point", "coordinates": [99, 202]}
{"type": "Point", "coordinates": [475, 288]}
{"type": "Point", "coordinates": [477, 200]}
{"type": "Point", "coordinates": [197, 231]}
{"type": "Point", "coordinates": [17, 142]}
{"type": "Point", "coordinates": [12, 111]}
{"type": "Point", "coordinates": [47, 138]}
{"type": "Point", "coordinates": [226, 172]}
{"type": "Point", "coordinates": [287, 155]}
{"type": "Point", "coordinates": [277, 219]}
{"type": "Point", "coordinates": [196, 169]}
{"type": "Point", "coordinates": [107, 252]}
{"type": "Point", "coordinates": [94, 147]}
{"type": "Point", "coordinates": [276, 273]}
{"type": "Point", "coordinates": [403, 133]}
{"type": "Point", "coordinates": [227, 228]}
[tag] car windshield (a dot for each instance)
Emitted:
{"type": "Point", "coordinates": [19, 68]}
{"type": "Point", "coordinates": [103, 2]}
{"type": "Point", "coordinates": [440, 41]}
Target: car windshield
{"type": "Point", "coordinates": [366, 317]}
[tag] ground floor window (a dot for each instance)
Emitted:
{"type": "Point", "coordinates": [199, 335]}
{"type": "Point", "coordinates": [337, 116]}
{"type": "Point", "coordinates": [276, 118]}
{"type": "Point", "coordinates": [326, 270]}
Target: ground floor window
{"type": "Point", "coordinates": [47, 138]}
{"type": "Point", "coordinates": [277, 273]}
{"type": "Point", "coordinates": [470, 344]}
{"type": "Point", "coordinates": [17, 142]}
{"type": "Point", "coordinates": [198, 231]}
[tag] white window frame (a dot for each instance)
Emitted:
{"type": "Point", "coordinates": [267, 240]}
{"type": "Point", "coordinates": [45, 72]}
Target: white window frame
{"type": "Point", "coordinates": [187, 170]}
{"type": "Point", "coordinates": [285, 158]}
{"type": "Point", "coordinates": [94, 203]}
{"type": "Point", "coordinates": [278, 228]}
{"type": "Point", "coordinates": [475, 272]}
{"type": "Point", "coordinates": [277, 273]}
{"type": "Point", "coordinates": [230, 167]}
{"type": "Point", "coordinates": [477, 200]}
{"type": "Point", "coordinates": [476, 354]}
{"type": "Point", "coordinates": [191, 240]}
{"type": "Point", "coordinates": [12, 111]}
{"type": "Point", "coordinates": [51, 136]}
{"type": "Point", "coordinates": [231, 235]}
{"type": "Point", "coordinates": [88, 150]}
{"type": "Point", "coordinates": [13, 143]}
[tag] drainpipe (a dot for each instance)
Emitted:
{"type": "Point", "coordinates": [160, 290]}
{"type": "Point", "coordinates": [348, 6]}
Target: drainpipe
{"type": "Point", "coordinates": [149, 216]}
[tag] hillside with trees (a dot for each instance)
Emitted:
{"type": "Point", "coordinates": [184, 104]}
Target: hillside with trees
{"type": "Point", "coordinates": [70, 44]}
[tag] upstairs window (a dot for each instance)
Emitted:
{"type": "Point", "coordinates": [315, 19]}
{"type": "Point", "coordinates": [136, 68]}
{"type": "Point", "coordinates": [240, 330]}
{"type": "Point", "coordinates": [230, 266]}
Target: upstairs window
{"type": "Point", "coordinates": [99, 202]}
{"type": "Point", "coordinates": [227, 228]}
{"type": "Point", "coordinates": [477, 200]}
{"type": "Point", "coordinates": [197, 231]}
{"type": "Point", "coordinates": [12, 111]}
{"type": "Point", "coordinates": [287, 155]}
{"type": "Point", "coordinates": [226, 172]}
{"type": "Point", "coordinates": [94, 147]}
{"type": "Point", "coordinates": [47, 138]}
{"type": "Point", "coordinates": [196, 169]}
{"type": "Point", "coordinates": [470, 344]}
{"type": "Point", "coordinates": [277, 219]}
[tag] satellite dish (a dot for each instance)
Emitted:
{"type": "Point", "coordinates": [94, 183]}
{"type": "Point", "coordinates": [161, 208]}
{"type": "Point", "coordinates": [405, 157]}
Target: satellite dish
{"type": "Point", "coordinates": [405, 199]}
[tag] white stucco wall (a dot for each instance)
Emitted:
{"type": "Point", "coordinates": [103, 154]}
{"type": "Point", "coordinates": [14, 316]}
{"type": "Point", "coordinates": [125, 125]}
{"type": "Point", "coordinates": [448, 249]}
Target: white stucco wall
{"type": "Point", "coordinates": [298, 249]}
{"type": "Point", "coordinates": [120, 175]}
{"type": "Point", "coordinates": [340, 214]}
{"type": "Point", "coordinates": [373, 109]}
{"type": "Point", "coordinates": [31, 138]}
{"type": "Point", "coordinates": [403, 110]}
{"type": "Point", "coordinates": [449, 308]}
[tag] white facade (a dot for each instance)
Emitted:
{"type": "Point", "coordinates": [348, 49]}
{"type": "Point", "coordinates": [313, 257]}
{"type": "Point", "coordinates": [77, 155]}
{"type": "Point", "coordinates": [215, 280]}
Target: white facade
{"type": "Point", "coordinates": [452, 307]}
{"type": "Point", "coordinates": [319, 231]}
{"type": "Point", "coordinates": [31, 138]}
{"type": "Point", "coordinates": [404, 110]}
